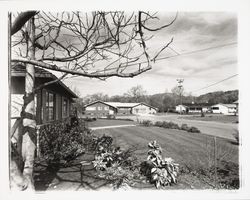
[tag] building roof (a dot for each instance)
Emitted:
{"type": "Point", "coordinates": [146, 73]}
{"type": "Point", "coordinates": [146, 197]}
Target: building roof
{"type": "Point", "coordinates": [122, 105]}
{"type": "Point", "coordinates": [99, 101]}
{"type": "Point", "coordinates": [146, 105]}
{"type": "Point", "coordinates": [226, 105]}
{"type": "Point", "coordinates": [198, 104]}
{"type": "Point", "coordinates": [19, 70]}
{"type": "Point", "coordinates": [119, 104]}
{"type": "Point", "coordinates": [182, 105]}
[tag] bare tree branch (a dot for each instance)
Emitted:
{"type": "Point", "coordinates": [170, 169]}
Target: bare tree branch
{"type": "Point", "coordinates": [73, 72]}
{"type": "Point", "coordinates": [167, 45]}
{"type": "Point", "coordinates": [165, 26]}
{"type": "Point", "coordinates": [21, 20]}
{"type": "Point", "coordinates": [81, 42]}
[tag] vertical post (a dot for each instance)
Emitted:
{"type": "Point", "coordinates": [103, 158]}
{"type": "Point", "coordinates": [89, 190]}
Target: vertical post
{"type": "Point", "coordinates": [38, 142]}
{"type": "Point", "coordinates": [215, 162]}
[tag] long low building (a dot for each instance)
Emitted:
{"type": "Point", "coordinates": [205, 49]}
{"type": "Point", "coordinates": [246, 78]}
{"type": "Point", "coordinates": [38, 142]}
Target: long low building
{"type": "Point", "coordinates": [220, 108]}
{"type": "Point", "coordinates": [226, 109]}
{"type": "Point", "coordinates": [103, 109]}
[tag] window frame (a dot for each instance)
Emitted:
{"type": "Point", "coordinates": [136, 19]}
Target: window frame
{"type": "Point", "coordinates": [46, 115]}
{"type": "Point", "coordinates": [65, 115]}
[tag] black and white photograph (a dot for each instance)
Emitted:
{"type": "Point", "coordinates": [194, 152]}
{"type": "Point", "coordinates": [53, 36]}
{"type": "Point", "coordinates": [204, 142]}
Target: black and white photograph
{"type": "Point", "coordinates": [124, 100]}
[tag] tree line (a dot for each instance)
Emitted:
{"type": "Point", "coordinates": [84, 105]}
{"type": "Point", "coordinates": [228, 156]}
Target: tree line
{"type": "Point", "coordinates": [166, 101]}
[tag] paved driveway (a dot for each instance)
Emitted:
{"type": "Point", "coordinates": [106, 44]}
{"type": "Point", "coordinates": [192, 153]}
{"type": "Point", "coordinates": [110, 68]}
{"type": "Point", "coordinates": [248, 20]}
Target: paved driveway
{"type": "Point", "coordinates": [225, 130]}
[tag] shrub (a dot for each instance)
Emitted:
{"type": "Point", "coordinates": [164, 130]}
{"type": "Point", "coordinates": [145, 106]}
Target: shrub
{"type": "Point", "coordinates": [170, 125]}
{"type": "Point", "coordinates": [146, 123]}
{"type": "Point", "coordinates": [158, 123]}
{"type": "Point", "coordinates": [194, 130]}
{"type": "Point", "coordinates": [110, 117]}
{"type": "Point", "coordinates": [184, 127]}
{"type": "Point", "coordinates": [90, 119]}
{"type": "Point", "coordinates": [114, 164]}
{"type": "Point", "coordinates": [159, 171]}
{"type": "Point", "coordinates": [60, 142]}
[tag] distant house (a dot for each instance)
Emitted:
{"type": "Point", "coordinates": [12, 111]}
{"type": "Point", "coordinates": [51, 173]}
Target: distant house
{"type": "Point", "coordinates": [99, 109]}
{"type": "Point", "coordinates": [103, 109]}
{"type": "Point", "coordinates": [181, 108]}
{"type": "Point", "coordinates": [143, 108]}
{"type": "Point", "coordinates": [52, 102]}
{"type": "Point", "coordinates": [122, 108]}
{"type": "Point", "coordinates": [198, 108]}
{"type": "Point", "coordinates": [226, 109]}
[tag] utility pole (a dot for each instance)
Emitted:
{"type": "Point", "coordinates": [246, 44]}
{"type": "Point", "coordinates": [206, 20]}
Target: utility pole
{"type": "Point", "coordinates": [180, 86]}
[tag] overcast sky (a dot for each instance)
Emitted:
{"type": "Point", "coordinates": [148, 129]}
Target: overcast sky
{"type": "Point", "coordinates": [192, 31]}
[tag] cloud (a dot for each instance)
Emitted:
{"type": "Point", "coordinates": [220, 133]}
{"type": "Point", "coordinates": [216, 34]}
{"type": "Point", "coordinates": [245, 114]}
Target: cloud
{"type": "Point", "coordinates": [192, 31]}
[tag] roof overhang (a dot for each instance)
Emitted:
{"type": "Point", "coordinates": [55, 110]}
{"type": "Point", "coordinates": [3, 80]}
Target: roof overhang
{"type": "Point", "coordinates": [19, 71]}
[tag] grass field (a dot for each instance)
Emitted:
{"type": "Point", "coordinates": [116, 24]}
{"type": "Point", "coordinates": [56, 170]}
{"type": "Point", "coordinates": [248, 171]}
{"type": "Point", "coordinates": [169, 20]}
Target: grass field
{"type": "Point", "coordinates": [193, 151]}
{"type": "Point", "coordinates": [108, 122]}
{"type": "Point", "coordinates": [214, 117]}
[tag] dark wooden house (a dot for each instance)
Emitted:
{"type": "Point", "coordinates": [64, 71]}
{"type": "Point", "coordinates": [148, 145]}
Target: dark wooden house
{"type": "Point", "coordinates": [53, 102]}
{"type": "Point", "coordinates": [104, 109]}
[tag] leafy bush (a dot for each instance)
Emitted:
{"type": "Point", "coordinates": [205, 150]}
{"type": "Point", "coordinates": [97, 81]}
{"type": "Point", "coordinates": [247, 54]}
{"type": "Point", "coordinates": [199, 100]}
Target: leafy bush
{"type": "Point", "coordinates": [90, 119]}
{"type": "Point", "coordinates": [110, 117]}
{"type": "Point", "coordinates": [172, 125]}
{"type": "Point", "coordinates": [184, 127]}
{"type": "Point", "coordinates": [114, 164]}
{"type": "Point", "coordinates": [146, 123]}
{"type": "Point", "coordinates": [166, 124]}
{"type": "Point", "coordinates": [158, 123]}
{"type": "Point", "coordinates": [60, 142]}
{"type": "Point", "coordinates": [194, 130]}
{"type": "Point", "coordinates": [159, 171]}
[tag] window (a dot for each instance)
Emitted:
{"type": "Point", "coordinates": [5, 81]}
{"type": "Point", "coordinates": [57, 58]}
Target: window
{"type": "Point", "coordinates": [64, 108]}
{"type": "Point", "coordinates": [106, 108]}
{"type": "Point", "coordinates": [50, 106]}
{"type": "Point", "coordinates": [99, 108]}
{"type": "Point", "coordinates": [90, 108]}
{"type": "Point", "coordinates": [215, 108]}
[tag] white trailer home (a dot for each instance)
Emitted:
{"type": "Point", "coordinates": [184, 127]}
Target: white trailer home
{"type": "Point", "coordinates": [226, 109]}
{"type": "Point", "coordinates": [181, 108]}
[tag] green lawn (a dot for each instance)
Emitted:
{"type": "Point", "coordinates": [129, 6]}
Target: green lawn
{"type": "Point", "coordinates": [193, 151]}
{"type": "Point", "coordinates": [108, 122]}
{"type": "Point", "coordinates": [214, 117]}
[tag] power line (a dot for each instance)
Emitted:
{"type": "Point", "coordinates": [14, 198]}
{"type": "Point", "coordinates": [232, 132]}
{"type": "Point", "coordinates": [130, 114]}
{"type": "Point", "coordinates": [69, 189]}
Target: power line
{"type": "Point", "coordinates": [177, 54]}
{"type": "Point", "coordinates": [187, 53]}
{"type": "Point", "coordinates": [216, 83]}
{"type": "Point", "coordinates": [199, 50]}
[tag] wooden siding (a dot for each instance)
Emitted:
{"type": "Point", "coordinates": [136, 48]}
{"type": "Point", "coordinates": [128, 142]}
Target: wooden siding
{"type": "Point", "coordinates": [17, 89]}
{"type": "Point", "coordinates": [143, 109]}
{"type": "Point", "coordinates": [124, 111]}
{"type": "Point", "coordinates": [99, 110]}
